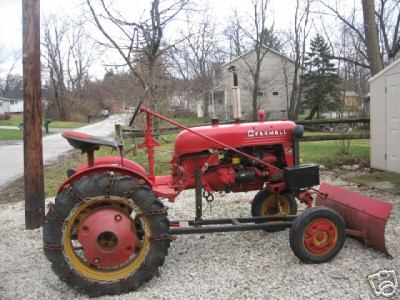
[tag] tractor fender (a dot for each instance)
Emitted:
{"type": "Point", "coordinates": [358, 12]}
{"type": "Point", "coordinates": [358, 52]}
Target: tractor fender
{"type": "Point", "coordinates": [108, 164]}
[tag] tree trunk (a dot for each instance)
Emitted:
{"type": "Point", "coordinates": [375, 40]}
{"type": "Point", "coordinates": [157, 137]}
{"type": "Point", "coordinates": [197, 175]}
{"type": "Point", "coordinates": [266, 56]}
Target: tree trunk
{"type": "Point", "coordinates": [312, 112]}
{"type": "Point", "coordinates": [205, 102]}
{"type": "Point", "coordinates": [371, 37]}
{"type": "Point", "coordinates": [256, 88]}
{"type": "Point", "coordinates": [254, 105]}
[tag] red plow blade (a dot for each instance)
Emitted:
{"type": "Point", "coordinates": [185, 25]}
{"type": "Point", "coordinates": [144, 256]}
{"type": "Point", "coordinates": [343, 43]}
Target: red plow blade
{"type": "Point", "coordinates": [365, 217]}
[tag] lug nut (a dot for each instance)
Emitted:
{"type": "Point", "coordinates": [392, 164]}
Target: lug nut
{"type": "Point", "coordinates": [85, 228]}
{"type": "Point", "coordinates": [117, 218]}
{"type": "Point", "coordinates": [96, 260]}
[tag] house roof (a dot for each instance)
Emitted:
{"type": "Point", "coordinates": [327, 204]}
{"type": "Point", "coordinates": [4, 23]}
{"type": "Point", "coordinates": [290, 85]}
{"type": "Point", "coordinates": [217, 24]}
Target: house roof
{"type": "Point", "coordinates": [14, 95]}
{"type": "Point", "coordinates": [269, 50]}
{"type": "Point", "coordinates": [379, 74]}
{"type": "Point", "coordinates": [350, 94]}
{"type": "Point", "coordinates": [8, 99]}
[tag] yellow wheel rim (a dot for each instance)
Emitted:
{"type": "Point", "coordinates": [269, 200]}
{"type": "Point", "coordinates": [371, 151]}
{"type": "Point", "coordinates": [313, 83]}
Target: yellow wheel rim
{"type": "Point", "coordinates": [271, 206]}
{"type": "Point", "coordinates": [90, 271]}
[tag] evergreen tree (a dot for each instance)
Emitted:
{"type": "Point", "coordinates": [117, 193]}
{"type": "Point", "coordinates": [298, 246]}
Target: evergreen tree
{"type": "Point", "coordinates": [321, 81]}
{"type": "Point", "coordinates": [271, 40]}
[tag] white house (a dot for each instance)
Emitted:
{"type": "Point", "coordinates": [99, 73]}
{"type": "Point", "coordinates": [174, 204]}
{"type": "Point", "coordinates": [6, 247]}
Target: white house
{"type": "Point", "coordinates": [276, 77]}
{"type": "Point", "coordinates": [4, 107]}
{"type": "Point", "coordinates": [385, 118]}
{"type": "Point", "coordinates": [16, 101]}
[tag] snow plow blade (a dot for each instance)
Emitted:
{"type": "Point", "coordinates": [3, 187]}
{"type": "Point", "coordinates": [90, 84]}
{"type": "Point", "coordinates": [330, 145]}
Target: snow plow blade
{"type": "Point", "coordinates": [365, 217]}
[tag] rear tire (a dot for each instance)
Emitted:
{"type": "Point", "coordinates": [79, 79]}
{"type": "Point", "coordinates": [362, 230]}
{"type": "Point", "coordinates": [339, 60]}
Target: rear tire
{"type": "Point", "coordinates": [317, 235]}
{"type": "Point", "coordinates": [100, 192]}
{"type": "Point", "coordinates": [264, 205]}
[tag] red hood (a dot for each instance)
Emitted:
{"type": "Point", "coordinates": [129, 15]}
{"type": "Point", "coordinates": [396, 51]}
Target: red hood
{"type": "Point", "coordinates": [234, 135]}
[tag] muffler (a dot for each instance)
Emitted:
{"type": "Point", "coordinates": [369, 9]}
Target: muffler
{"type": "Point", "coordinates": [365, 217]}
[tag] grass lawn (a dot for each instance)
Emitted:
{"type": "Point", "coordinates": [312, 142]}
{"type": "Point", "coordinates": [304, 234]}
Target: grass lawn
{"type": "Point", "coordinates": [66, 124]}
{"type": "Point", "coordinates": [16, 119]}
{"type": "Point", "coordinates": [328, 153]}
{"type": "Point", "coordinates": [10, 134]}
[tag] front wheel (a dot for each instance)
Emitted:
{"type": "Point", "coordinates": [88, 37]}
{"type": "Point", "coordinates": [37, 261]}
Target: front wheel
{"type": "Point", "coordinates": [266, 203]}
{"type": "Point", "coordinates": [317, 235]}
{"type": "Point", "coordinates": [106, 234]}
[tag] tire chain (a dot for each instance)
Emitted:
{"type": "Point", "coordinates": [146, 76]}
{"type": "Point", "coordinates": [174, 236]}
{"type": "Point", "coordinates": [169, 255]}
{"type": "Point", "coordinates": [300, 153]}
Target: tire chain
{"type": "Point", "coordinates": [162, 211]}
{"type": "Point", "coordinates": [161, 237]}
{"type": "Point", "coordinates": [77, 196]}
{"type": "Point", "coordinates": [135, 186]}
{"type": "Point", "coordinates": [82, 199]}
{"type": "Point", "coordinates": [151, 269]}
{"type": "Point", "coordinates": [52, 212]}
{"type": "Point", "coordinates": [110, 184]}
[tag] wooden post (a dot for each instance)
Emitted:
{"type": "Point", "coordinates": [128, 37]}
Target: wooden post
{"type": "Point", "coordinates": [33, 153]}
{"type": "Point", "coordinates": [120, 139]}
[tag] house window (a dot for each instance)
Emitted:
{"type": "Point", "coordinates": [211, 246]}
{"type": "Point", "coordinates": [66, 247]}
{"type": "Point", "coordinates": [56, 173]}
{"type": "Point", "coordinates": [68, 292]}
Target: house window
{"type": "Point", "coordinates": [275, 93]}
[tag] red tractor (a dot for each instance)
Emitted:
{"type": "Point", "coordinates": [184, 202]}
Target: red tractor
{"type": "Point", "coordinates": [108, 232]}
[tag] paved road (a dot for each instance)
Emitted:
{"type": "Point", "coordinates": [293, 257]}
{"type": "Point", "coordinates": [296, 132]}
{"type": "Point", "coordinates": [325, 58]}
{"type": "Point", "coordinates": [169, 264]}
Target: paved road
{"type": "Point", "coordinates": [11, 156]}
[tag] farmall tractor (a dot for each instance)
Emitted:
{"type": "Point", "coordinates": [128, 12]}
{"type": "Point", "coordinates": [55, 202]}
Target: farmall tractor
{"type": "Point", "coordinates": [108, 232]}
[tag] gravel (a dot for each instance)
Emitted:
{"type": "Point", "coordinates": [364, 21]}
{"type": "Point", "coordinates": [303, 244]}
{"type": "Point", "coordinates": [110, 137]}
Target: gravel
{"type": "Point", "coordinates": [255, 265]}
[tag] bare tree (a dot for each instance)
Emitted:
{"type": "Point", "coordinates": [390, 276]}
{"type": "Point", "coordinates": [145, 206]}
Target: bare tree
{"type": "Point", "coordinates": [79, 59]}
{"type": "Point", "coordinates": [388, 14]}
{"type": "Point", "coordinates": [255, 37]}
{"type": "Point", "coordinates": [141, 39]}
{"type": "Point", "coordinates": [235, 35]}
{"type": "Point", "coordinates": [68, 56]}
{"type": "Point", "coordinates": [297, 41]}
{"type": "Point", "coordinates": [11, 81]}
{"type": "Point", "coordinates": [55, 35]}
{"type": "Point", "coordinates": [197, 55]}
{"type": "Point", "coordinates": [378, 35]}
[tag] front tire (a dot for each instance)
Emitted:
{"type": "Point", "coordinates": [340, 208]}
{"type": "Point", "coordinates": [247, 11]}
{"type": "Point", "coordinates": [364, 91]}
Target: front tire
{"type": "Point", "coordinates": [106, 234]}
{"type": "Point", "coordinates": [317, 235]}
{"type": "Point", "coordinates": [266, 204]}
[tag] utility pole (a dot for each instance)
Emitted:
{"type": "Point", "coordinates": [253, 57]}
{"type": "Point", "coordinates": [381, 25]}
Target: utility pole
{"type": "Point", "coordinates": [33, 153]}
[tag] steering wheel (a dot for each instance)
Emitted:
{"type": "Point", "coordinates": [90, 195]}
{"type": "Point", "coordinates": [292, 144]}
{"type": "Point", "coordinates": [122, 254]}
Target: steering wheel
{"type": "Point", "coordinates": [137, 108]}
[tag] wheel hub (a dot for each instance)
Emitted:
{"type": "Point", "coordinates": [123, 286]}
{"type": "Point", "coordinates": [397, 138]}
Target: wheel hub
{"type": "Point", "coordinates": [320, 237]}
{"type": "Point", "coordinates": [108, 237]}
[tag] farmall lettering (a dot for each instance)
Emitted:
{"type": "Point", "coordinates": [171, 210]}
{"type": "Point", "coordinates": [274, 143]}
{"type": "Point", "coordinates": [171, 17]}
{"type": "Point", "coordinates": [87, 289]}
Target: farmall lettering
{"type": "Point", "coordinates": [255, 133]}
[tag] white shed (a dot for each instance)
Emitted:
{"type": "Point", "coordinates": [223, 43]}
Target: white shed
{"type": "Point", "coordinates": [385, 118]}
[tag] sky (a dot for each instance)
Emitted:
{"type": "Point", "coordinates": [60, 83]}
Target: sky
{"type": "Point", "coordinates": [11, 26]}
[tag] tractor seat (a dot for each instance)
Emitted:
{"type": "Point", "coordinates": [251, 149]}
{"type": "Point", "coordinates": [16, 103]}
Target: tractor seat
{"type": "Point", "coordinates": [86, 142]}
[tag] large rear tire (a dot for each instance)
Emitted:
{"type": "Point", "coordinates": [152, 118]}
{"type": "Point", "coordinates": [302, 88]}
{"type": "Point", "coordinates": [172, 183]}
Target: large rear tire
{"type": "Point", "coordinates": [317, 235]}
{"type": "Point", "coordinates": [265, 204]}
{"type": "Point", "coordinates": [106, 234]}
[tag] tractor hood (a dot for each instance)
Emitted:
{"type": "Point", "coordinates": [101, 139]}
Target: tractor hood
{"type": "Point", "coordinates": [235, 135]}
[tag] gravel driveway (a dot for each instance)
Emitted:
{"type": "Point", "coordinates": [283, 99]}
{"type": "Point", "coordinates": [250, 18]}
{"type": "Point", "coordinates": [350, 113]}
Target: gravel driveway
{"type": "Point", "coordinates": [239, 265]}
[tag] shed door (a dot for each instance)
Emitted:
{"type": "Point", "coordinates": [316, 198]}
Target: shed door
{"type": "Point", "coordinates": [393, 122]}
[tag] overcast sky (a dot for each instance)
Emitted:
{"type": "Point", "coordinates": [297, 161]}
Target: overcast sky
{"type": "Point", "coordinates": [11, 27]}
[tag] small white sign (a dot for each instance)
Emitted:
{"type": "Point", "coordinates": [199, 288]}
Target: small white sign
{"type": "Point", "coordinates": [184, 224]}
{"type": "Point", "coordinates": [384, 283]}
